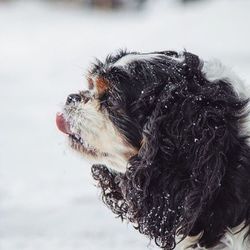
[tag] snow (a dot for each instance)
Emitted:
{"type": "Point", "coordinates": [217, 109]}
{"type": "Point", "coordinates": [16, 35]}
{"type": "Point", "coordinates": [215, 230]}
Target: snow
{"type": "Point", "coordinates": [47, 196]}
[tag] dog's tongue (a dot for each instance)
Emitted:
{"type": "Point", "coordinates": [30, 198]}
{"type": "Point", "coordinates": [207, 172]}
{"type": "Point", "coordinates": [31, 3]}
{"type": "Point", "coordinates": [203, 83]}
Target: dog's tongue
{"type": "Point", "coordinates": [62, 124]}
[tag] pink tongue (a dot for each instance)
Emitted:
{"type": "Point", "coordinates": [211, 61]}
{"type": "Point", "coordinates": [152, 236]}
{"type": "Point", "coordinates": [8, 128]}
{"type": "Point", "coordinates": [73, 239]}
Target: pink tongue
{"type": "Point", "coordinates": [62, 124]}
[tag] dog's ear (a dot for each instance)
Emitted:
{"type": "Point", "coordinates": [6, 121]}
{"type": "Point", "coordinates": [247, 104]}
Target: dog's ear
{"type": "Point", "coordinates": [153, 194]}
{"type": "Point", "coordinates": [187, 143]}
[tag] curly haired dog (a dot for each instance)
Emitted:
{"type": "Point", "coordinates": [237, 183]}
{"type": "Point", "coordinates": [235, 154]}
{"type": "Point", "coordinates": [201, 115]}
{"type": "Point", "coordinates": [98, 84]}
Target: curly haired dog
{"type": "Point", "coordinates": [169, 134]}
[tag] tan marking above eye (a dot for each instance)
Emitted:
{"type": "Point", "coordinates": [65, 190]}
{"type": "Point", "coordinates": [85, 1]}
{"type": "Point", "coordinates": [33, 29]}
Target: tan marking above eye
{"type": "Point", "coordinates": [101, 85]}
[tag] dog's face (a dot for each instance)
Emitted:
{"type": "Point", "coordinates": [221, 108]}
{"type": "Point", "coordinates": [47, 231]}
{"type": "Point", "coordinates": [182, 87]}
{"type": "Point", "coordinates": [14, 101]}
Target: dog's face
{"type": "Point", "coordinates": [102, 122]}
{"type": "Point", "coordinates": [92, 133]}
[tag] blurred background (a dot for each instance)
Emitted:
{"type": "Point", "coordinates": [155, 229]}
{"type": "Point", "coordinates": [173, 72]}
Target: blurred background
{"type": "Point", "coordinates": [48, 200]}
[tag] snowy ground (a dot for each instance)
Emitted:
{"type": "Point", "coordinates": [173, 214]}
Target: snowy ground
{"type": "Point", "coordinates": [47, 197]}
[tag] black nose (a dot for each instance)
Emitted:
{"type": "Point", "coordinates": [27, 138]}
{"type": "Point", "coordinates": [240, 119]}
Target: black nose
{"type": "Point", "coordinates": [73, 98]}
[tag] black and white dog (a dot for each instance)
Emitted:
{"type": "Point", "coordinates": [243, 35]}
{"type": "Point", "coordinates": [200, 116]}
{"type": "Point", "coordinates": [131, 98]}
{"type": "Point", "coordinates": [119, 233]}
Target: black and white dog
{"type": "Point", "coordinates": [169, 134]}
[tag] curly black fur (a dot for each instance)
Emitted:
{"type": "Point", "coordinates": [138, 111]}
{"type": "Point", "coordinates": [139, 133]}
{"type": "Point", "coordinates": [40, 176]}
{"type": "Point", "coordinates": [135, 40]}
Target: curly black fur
{"type": "Point", "coordinates": [191, 173]}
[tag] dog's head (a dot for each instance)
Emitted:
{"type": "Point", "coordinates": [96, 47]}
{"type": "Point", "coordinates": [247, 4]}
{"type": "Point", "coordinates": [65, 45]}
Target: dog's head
{"type": "Point", "coordinates": [105, 123]}
{"type": "Point", "coordinates": [168, 136]}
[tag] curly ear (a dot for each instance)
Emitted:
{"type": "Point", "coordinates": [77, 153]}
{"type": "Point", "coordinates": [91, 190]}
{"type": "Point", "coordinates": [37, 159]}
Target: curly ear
{"type": "Point", "coordinates": [151, 187]}
{"type": "Point", "coordinates": [180, 166]}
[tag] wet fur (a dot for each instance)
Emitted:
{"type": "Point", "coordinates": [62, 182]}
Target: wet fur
{"type": "Point", "coordinates": [191, 175]}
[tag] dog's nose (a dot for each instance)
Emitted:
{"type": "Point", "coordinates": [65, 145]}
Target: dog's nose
{"type": "Point", "coordinates": [73, 98]}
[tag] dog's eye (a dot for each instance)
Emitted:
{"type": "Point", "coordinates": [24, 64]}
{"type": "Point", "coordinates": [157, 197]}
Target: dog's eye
{"type": "Point", "coordinates": [85, 96]}
{"type": "Point", "coordinates": [97, 85]}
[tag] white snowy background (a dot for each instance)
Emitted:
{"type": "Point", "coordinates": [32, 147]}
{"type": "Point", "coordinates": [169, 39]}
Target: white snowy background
{"type": "Point", "coordinates": [48, 200]}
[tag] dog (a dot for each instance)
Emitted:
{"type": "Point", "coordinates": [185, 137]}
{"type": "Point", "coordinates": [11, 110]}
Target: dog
{"type": "Point", "coordinates": [168, 136]}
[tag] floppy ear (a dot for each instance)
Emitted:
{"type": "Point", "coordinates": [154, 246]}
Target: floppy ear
{"type": "Point", "coordinates": [151, 187]}
{"type": "Point", "coordinates": [178, 171]}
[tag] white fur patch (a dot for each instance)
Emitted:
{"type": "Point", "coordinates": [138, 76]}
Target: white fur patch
{"type": "Point", "coordinates": [214, 71]}
{"type": "Point", "coordinates": [127, 59]}
{"type": "Point", "coordinates": [232, 240]}
{"type": "Point", "coordinates": [187, 242]}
